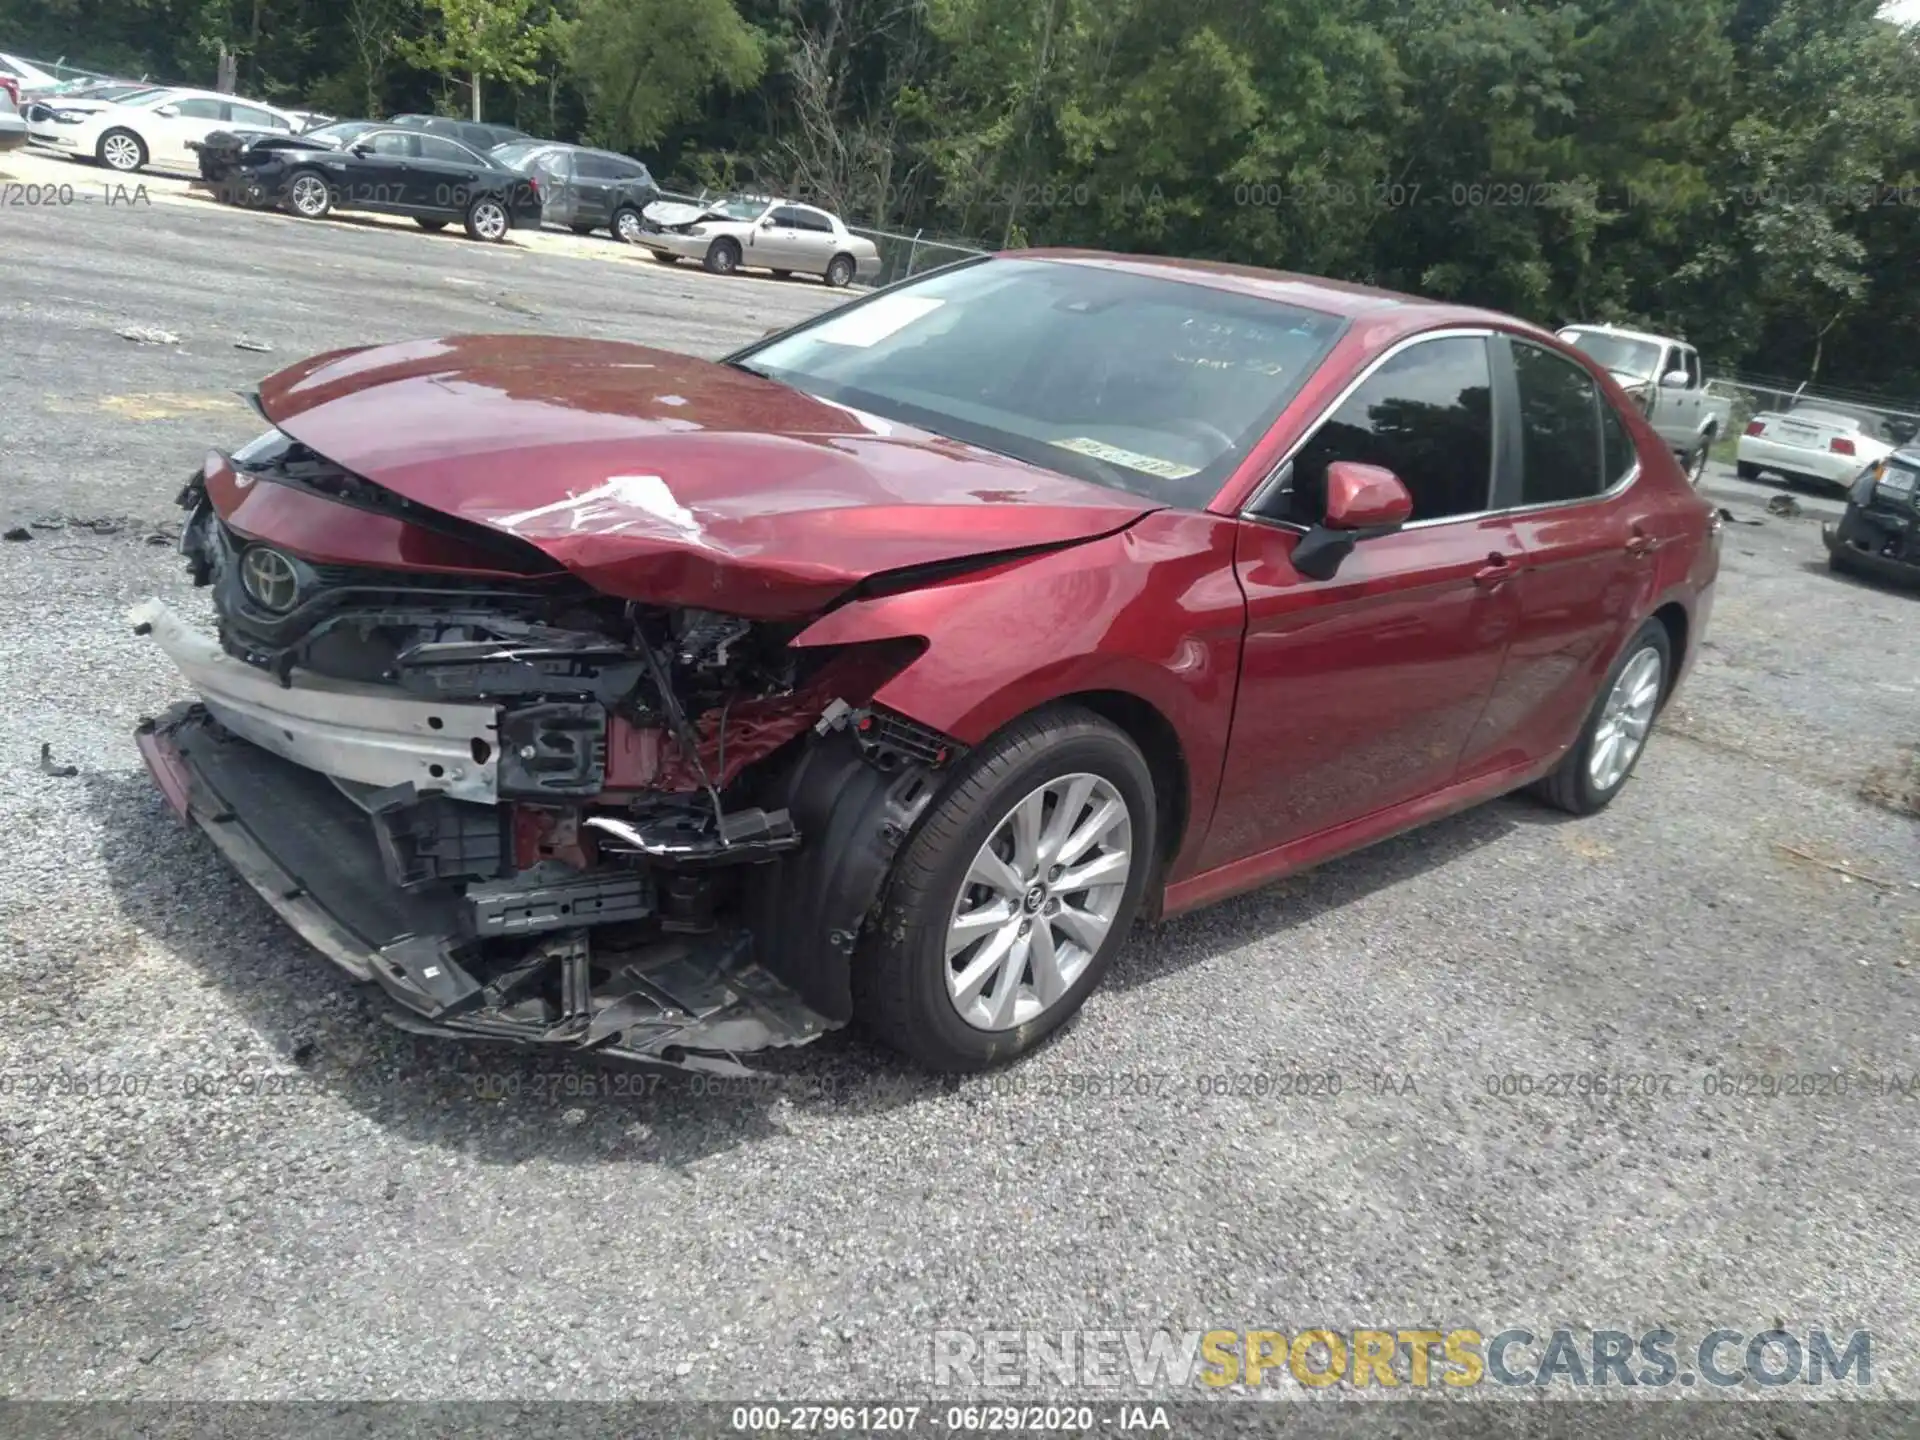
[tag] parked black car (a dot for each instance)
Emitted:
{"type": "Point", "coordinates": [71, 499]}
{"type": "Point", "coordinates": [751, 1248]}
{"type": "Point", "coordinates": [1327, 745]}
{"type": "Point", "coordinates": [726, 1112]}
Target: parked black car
{"type": "Point", "coordinates": [220, 152]}
{"type": "Point", "coordinates": [471, 133]}
{"type": "Point", "coordinates": [585, 189]}
{"type": "Point", "coordinates": [358, 165]}
{"type": "Point", "coordinates": [1879, 533]}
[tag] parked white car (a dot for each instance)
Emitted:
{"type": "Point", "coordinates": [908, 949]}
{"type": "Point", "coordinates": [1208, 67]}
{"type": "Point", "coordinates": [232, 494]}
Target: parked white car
{"type": "Point", "coordinates": [776, 235]}
{"type": "Point", "coordinates": [1818, 440]}
{"type": "Point", "coordinates": [1663, 376]}
{"type": "Point", "coordinates": [154, 128]}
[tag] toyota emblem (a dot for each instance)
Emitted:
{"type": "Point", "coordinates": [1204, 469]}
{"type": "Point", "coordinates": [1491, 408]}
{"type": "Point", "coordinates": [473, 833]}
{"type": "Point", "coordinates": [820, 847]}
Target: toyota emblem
{"type": "Point", "coordinates": [268, 578]}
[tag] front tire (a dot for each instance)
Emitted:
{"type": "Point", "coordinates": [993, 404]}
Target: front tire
{"type": "Point", "coordinates": [1697, 465]}
{"type": "Point", "coordinates": [840, 272]}
{"type": "Point", "coordinates": [308, 194]}
{"type": "Point", "coordinates": [1008, 904]}
{"type": "Point", "coordinates": [627, 225]}
{"type": "Point", "coordinates": [1615, 735]}
{"type": "Point", "coordinates": [122, 151]}
{"type": "Point", "coordinates": [723, 256]}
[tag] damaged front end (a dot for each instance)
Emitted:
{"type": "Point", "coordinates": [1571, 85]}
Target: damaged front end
{"type": "Point", "coordinates": [524, 809]}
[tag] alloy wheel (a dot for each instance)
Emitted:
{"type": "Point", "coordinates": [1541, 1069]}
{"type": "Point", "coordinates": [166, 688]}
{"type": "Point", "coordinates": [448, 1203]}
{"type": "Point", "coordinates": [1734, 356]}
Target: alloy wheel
{"type": "Point", "coordinates": [1625, 720]}
{"type": "Point", "coordinates": [1038, 901]}
{"type": "Point", "coordinates": [627, 226]}
{"type": "Point", "coordinates": [309, 195]}
{"type": "Point", "coordinates": [489, 219]}
{"type": "Point", "coordinates": [1697, 471]}
{"type": "Point", "coordinates": [121, 152]}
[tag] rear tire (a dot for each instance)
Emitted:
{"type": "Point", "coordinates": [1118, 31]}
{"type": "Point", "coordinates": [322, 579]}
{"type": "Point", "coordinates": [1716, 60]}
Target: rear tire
{"type": "Point", "coordinates": [1697, 463]}
{"type": "Point", "coordinates": [1586, 778]}
{"type": "Point", "coordinates": [840, 272]}
{"type": "Point", "coordinates": [488, 220]}
{"type": "Point", "coordinates": [909, 967]}
{"type": "Point", "coordinates": [723, 256]}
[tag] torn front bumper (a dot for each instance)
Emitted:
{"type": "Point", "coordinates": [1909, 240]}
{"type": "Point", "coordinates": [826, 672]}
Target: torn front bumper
{"type": "Point", "coordinates": [364, 734]}
{"type": "Point", "coordinates": [309, 851]}
{"type": "Point", "coordinates": [1879, 541]}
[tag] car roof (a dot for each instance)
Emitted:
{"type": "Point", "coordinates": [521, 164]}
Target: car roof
{"type": "Point", "coordinates": [1386, 311]}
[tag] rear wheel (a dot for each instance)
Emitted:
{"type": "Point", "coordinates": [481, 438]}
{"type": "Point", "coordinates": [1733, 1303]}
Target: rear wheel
{"type": "Point", "coordinates": [1009, 902]}
{"type": "Point", "coordinates": [840, 272]}
{"type": "Point", "coordinates": [1697, 465]}
{"type": "Point", "coordinates": [723, 256]}
{"type": "Point", "coordinates": [122, 150]}
{"type": "Point", "coordinates": [426, 224]}
{"type": "Point", "coordinates": [487, 219]}
{"type": "Point", "coordinates": [1610, 743]}
{"type": "Point", "coordinates": [308, 194]}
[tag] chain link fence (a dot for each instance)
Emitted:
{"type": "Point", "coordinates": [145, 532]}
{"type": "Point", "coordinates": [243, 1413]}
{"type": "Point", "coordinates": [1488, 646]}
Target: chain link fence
{"type": "Point", "coordinates": [1756, 394]}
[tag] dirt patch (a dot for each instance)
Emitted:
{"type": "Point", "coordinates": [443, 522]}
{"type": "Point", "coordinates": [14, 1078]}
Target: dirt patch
{"type": "Point", "coordinates": [1895, 786]}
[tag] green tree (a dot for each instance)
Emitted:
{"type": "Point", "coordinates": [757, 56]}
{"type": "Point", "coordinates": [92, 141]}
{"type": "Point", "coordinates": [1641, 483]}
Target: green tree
{"type": "Point", "coordinates": [478, 40]}
{"type": "Point", "coordinates": [647, 64]}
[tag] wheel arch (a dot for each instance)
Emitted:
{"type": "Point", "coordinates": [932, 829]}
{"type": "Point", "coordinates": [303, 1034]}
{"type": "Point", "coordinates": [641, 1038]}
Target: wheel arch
{"type": "Point", "coordinates": [1678, 624]}
{"type": "Point", "coordinates": [1142, 722]}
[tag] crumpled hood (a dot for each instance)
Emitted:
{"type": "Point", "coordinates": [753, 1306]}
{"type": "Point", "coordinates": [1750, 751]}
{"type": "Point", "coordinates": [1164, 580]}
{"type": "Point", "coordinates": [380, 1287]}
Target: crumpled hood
{"type": "Point", "coordinates": [658, 477]}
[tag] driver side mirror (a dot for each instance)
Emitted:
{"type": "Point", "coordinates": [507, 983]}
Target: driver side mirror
{"type": "Point", "coordinates": [168, 110]}
{"type": "Point", "coordinates": [362, 150]}
{"type": "Point", "coordinates": [1364, 502]}
{"type": "Point", "coordinates": [767, 224]}
{"type": "Point", "coordinates": [1675, 380]}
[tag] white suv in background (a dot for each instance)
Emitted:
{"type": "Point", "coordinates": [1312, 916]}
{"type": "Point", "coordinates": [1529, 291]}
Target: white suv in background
{"type": "Point", "coordinates": [153, 128]}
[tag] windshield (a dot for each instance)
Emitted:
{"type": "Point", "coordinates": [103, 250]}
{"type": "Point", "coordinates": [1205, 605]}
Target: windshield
{"type": "Point", "coordinates": [1617, 353]}
{"type": "Point", "coordinates": [516, 154]}
{"type": "Point", "coordinates": [338, 133]}
{"type": "Point", "coordinates": [1152, 385]}
{"type": "Point", "coordinates": [737, 208]}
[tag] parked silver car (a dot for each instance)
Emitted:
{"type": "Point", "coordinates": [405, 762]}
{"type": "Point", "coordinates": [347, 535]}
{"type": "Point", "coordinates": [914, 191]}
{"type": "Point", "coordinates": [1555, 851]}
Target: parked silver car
{"type": "Point", "coordinates": [776, 235]}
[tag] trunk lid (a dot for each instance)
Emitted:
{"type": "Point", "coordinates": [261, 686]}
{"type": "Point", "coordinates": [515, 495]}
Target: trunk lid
{"type": "Point", "coordinates": [658, 477]}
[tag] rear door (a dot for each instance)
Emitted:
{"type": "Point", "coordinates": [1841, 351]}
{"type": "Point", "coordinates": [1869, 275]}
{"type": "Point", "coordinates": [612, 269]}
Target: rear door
{"type": "Point", "coordinates": [1359, 692]}
{"type": "Point", "coordinates": [815, 241]}
{"type": "Point", "coordinates": [1588, 534]}
{"type": "Point", "coordinates": [446, 177]}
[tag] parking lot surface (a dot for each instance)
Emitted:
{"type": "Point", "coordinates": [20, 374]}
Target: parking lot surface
{"type": "Point", "coordinates": [247, 1186]}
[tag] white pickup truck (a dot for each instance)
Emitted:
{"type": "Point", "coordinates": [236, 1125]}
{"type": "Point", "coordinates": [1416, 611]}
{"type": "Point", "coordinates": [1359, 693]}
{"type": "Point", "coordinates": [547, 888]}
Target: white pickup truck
{"type": "Point", "coordinates": [1664, 378]}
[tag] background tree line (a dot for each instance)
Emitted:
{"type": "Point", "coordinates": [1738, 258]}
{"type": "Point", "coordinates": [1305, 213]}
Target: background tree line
{"type": "Point", "coordinates": [1747, 171]}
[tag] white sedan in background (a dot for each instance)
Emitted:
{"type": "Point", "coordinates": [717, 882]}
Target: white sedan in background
{"type": "Point", "coordinates": [152, 128]}
{"type": "Point", "coordinates": [776, 235]}
{"type": "Point", "coordinates": [1818, 440]}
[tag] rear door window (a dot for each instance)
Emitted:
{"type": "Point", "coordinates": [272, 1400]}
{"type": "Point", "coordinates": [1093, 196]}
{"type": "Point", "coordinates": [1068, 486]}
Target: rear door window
{"type": "Point", "coordinates": [1561, 448]}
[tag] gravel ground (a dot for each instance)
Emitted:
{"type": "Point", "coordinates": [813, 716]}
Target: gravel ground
{"type": "Point", "coordinates": [405, 1217]}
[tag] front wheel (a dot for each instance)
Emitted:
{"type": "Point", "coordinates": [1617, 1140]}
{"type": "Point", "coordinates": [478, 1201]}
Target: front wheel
{"type": "Point", "coordinates": [308, 195]}
{"type": "Point", "coordinates": [627, 225]}
{"type": "Point", "coordinates": [723, 256]}
{"type": "Point", "coordinates": [122, 150]}
{"type": "Point", "coordinates": [1009, 902]}
{"type": "Point", "coordinates": [1610, 743]}
{"type": "Point", "coordinates": [1697, 466]}
{"type": "Point", "coordinates": [487, 219]}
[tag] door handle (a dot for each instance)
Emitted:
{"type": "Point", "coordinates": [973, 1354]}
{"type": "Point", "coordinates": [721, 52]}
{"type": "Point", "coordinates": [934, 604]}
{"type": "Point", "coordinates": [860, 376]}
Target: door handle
{"type": "Point", "coordinates": [1641, 544]}
{"type": "Point", "coordinates": [1495, 573]}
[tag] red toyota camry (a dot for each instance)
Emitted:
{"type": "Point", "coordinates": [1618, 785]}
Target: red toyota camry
{"type": "Point", "coordinates": [582, 693]}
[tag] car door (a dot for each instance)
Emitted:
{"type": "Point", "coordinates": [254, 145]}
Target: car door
{"type": "Point", "coordinates": [176, 122]}
{"type": "Point", "coordinates": [445, 176]}
{"type": "Point", "coordinates": [1359, 692]}
{"type": "Point", "coordinates": [776, 241]}
{"type": "Point", "coordinates": [595, 177]}
{"type": "Point", "coordinates": [1588, 535]}
{"type": "Point", "coordinates": [815, 241]}
{"type": "Point", "coordinates": [256, 120]}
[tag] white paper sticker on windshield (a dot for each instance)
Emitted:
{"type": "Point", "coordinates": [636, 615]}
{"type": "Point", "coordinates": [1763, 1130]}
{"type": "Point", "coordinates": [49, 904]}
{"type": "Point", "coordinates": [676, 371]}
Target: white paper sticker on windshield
{"type": "Point", "coordinates": [1132, 459]}
{"type": "Point", "coordinates": [874, 321]}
